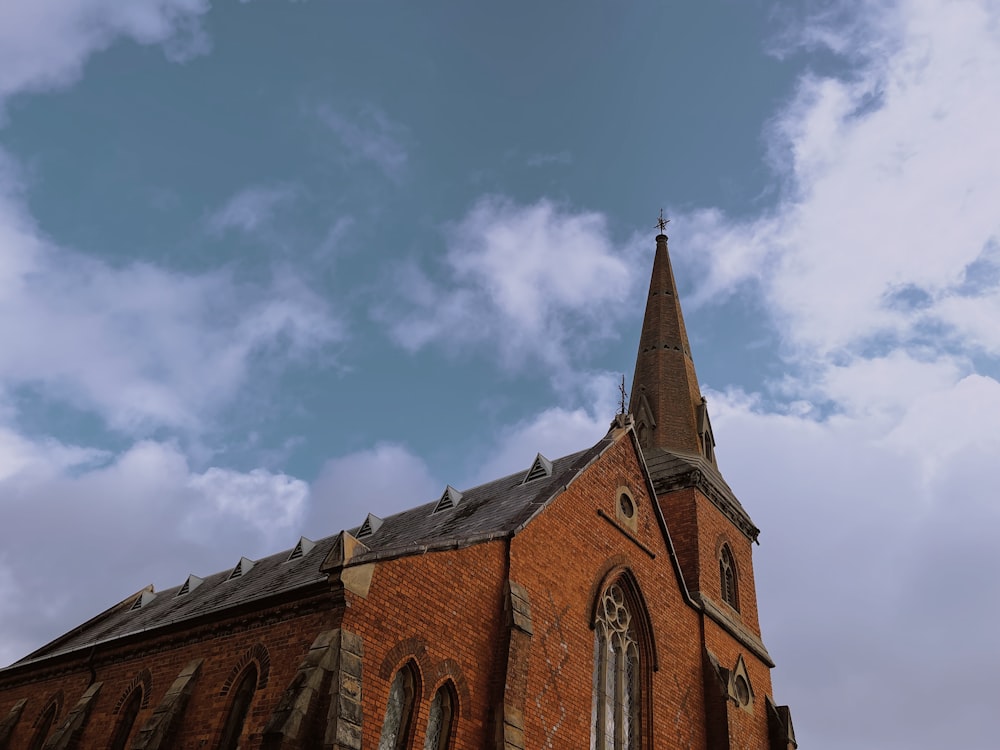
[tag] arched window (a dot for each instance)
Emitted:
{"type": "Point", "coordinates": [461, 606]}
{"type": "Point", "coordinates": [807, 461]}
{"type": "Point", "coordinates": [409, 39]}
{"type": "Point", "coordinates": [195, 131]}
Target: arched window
{"type": "Point", "coordinates": [126, 720]}
{"type": "Point", "coordinates": [439, 720]}
{"type": "Point", "coordinates": [727, 578]}
{"type": "Point", "coordinates": [616, 715]}
{"type": "Point", "coordinates": [44, 724]}
{"type": "Point", "coordinates": [238, 709]}
{"type": "Point", "coordinates": [399, 711]}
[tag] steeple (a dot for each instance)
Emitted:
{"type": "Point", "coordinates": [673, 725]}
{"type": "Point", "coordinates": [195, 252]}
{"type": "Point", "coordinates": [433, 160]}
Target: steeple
{"type": "Point", "coordinates": [666, 403]}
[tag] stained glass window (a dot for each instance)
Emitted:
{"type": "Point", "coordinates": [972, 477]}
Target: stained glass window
{"type": "Point", "coordinates": [615, 715]}
{"type": "Point", "coordinates": [439, 720]}
{"type": "Point", "coordinates": [399, 711]}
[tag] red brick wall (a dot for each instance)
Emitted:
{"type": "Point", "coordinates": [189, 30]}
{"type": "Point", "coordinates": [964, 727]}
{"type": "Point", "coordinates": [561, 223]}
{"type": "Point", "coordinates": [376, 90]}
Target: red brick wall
{"type": "Point", "coordinates": [444, 609]}
{"type": "Point", "coordinates": [286, 642]}
{"type": "Point", "coordinates": [561, 559]}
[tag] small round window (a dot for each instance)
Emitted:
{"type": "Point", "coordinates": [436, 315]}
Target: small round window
{"type": "Point", "coordinates": [626, 506]}
{"type": "Point", "coordinates": [742, 690]}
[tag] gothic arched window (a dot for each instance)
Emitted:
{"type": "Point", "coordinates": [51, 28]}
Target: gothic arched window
{"type": "Point", "coordinates": [616, 715]}
{"type": "Point", "coordinates": [239, 709]}
{"type": "Point", "coordinates": [399, 711]}
{"type": "Point", "coordinates": [727, 578]}
{"type": "Point", "coordinates": [44, 724]}
{"type": "Point", "coordinates": [126, 720]}
{"type": "Point", "coordinates": [439, 720]}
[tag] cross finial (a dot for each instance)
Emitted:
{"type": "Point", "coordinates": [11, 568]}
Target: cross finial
{"type": "Point", "coordinates": [623, 394]}
{"type": "Point", "coordinates": [662, 223]}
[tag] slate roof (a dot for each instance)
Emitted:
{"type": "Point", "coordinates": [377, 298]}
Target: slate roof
{"type": "Point", "coordinates": [669, 469]}
{"type": "Point", "coordinates": [491, 510]}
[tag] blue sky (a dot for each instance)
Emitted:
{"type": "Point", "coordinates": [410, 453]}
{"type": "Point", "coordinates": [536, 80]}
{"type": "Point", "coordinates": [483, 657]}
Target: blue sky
{"type": "Point", "coordinates": [268, 266]}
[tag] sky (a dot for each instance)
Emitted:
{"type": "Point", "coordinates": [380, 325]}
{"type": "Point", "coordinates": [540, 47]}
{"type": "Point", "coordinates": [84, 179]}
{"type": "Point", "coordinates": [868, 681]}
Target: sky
{"type": "Point", "coordinates": [266, 267]}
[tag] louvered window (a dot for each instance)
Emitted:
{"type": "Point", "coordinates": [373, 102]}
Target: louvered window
{"type": "Point", "coordinates": [727, 578]}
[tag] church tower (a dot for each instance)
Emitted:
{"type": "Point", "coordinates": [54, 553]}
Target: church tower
{"type": "Point", "coordinates": [711, 531]}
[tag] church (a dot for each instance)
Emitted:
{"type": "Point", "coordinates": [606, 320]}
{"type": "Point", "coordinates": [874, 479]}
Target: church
{"type": "Point", "coordinates": [603, 599]}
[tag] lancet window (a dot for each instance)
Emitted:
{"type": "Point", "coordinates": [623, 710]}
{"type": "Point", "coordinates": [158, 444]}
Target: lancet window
{"type": "Point", "coordinates": [399, 711]}
{"type": "Point", "coordinates": [126, 720]}
{"type": "Point", "coordinates": [439, 720]}
{"type": "Point", "coordinates": [727, 578]}
{"type": "Point", "coordinates": [616, 714]}
{"type": "Point", "coordinates": [239, 709]}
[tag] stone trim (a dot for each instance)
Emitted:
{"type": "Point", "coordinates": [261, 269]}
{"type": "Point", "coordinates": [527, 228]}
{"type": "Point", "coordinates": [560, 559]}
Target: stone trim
{"type": "Point", "coordinates": [779, 724]}
{"type": "Point", "coordinates": [326, 691]}
{"type": "Point", "coordinates": [720, 496]}
{"type": "Point", "coordinates": [157, 733]}
{"type": "Point", "coordinates": [627, 533]}
{"type": "Point", "coordinates": [345, 717]}
{"type": "Point", "coordinates": [68, 734]}
{"type": "Point", "coordinates": [508, 712]}
{"type": "Point", "coordinates": [10, 721]}
{"type": "Point", "coordinates": [735, 629]}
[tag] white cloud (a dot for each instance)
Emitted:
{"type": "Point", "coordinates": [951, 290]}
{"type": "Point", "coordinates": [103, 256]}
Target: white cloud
{"type": "Point", "coordinates": [139, 345]}
{"type": "Point", "coordinates": [554, 432]}
{"type": "Point", "coordinates": [890, 184]}
{"type": "Point", "coordinates": [45, 43]}
{"type": "Point", "coordinates": [878, 265]}
{"type": "Point", "coordinates": [251, 209]}
{"type": "Point", "coordinates": [159, 520]}
{"type": "Point", "coordinates": [382, 480]}
{"type": "Point", "coordinates": [369, 135]}
{"type": "Point", "coordinates": [891, 593]}
{"type": "Point", "coordinates": [529, 282]}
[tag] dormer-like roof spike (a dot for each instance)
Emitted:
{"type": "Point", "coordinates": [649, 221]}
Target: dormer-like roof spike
{"type": "Point", "coordinates": [302, 548]}
{"type": "Point", "coordinates": [449, 499]}
{"type": "Point", "coordinates": [145, 597]}
{"type": "Point", "coordinates": [241, 569]}
{"type": "Point", "coordinates": [666, 401]}
{"type": "Point", "coordinates": [190, 584]}
{"type": "Point", "coordinates": [369, 527]}
{"type": "Point", "coordinates": [540, 467]}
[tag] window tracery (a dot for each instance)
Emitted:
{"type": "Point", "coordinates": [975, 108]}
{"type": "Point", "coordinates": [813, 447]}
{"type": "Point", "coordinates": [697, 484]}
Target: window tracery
{"type": "Point", "coordinates": [615, 714]}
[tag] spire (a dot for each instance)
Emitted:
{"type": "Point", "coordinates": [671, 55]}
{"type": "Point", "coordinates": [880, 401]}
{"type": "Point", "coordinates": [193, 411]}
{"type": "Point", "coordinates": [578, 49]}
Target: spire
{"type": "Point", "coordinates": [666, 403]}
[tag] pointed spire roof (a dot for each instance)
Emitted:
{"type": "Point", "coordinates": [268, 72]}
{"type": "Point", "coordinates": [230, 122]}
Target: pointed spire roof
{"type": "Point", "coordinates": [666, 403]}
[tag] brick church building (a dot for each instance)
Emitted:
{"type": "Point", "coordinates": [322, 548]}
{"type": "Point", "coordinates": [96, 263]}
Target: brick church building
{"type": "Point", "coordinates": [602, 599]}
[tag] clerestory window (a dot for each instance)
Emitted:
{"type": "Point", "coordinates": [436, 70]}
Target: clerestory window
{"type": "Point", "coordinates": [615, 715]}
{"type": "Point", "coordinates": [399, 711]}
{"type": "Point", "coordinates": [727, 578]}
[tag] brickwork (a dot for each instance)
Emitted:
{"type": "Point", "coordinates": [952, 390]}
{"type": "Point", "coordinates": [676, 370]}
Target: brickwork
{"type": "Point", "coordinates": [218, 645]}
{"type": "Point", "coordinates": [444, 612]}
{"type": "Point", "coordinates": [561, 558]}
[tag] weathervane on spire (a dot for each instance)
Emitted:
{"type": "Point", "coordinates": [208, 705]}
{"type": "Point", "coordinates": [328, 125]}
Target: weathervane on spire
{"type": "Point", "coordinates": [662, 223]}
